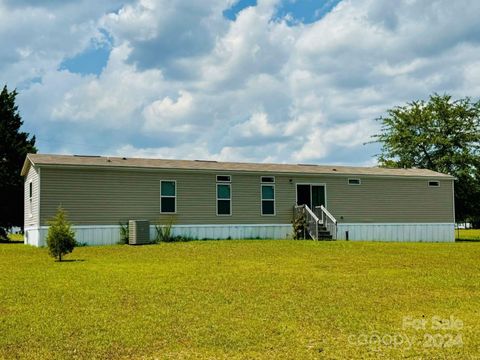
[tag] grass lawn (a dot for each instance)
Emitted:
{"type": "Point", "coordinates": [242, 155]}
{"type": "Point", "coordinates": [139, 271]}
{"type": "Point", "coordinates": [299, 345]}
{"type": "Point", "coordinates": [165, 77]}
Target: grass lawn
{"type": "Point", "coordinates": [467, 234]}
{"type": "Point", "coordinates": [241, 299]}
{"type": "Point", "coordinates": [15, 237]}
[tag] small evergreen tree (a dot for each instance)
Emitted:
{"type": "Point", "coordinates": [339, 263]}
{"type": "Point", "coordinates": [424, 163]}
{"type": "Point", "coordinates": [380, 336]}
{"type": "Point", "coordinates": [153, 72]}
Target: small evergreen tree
{"type": "Point", "coordinates": [60, 237]}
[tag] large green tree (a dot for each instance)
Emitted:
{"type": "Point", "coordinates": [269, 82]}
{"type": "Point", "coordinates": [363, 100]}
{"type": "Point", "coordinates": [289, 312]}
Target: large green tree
{"type": "Point", "coordinates": [14, 146]}
{"type": "Point", "coordinates": [441, 134]}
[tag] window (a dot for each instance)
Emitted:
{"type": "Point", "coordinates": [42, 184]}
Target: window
{"type": "Point", "coordinates": [354, 181]}
{"type": "Point", "coordinates": [30, 196]}
{"type": "Point", "coordinates": [168, 194]}
{"type": "Point", "coordinates": [268, 179]}
{"type": "Point", "coordinates": [268, 199]}
{"type": "Point", "coordinates": [223, 178]}
{"type": "Point", "coordinates": [224, 199]}
{"type": "Point", "coordinates": [433, 183]}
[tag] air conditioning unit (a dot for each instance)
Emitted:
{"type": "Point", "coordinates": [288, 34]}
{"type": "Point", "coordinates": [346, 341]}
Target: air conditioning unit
{"type": "Point", "coordinates": [138, 232]}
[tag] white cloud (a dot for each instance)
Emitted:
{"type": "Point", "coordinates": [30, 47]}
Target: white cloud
{"type": "Point", "coordinates": [113, 99]}
{"type": "Point", "coordinates": [257, 125]}
{"type": "Point", "coordinates": [168, 114]}
{"type": "Point", "coordinates": [184, 82]}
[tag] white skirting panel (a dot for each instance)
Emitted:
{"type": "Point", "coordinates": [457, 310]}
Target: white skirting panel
{"type": "Point", "coordinates": [110, 234]}
{"type": "Point", "coordinates": [403, 232]}
{"type": "Point", "coordinates": [263, 231]}
{"type": "Point", "coordinates": [32, 236]}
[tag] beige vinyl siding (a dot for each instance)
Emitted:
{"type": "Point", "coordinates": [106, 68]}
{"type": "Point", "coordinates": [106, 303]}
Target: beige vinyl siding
{"type": "Point", "coordinates": [106, 196]}
{"type": "Point", "coordinates": [31, 214]}
{"type": "Point", "coordinates": [388, 200]}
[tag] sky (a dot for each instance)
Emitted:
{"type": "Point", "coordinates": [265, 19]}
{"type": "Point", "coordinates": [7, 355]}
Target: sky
{"type": "Point", "coordinates": [286, 81]}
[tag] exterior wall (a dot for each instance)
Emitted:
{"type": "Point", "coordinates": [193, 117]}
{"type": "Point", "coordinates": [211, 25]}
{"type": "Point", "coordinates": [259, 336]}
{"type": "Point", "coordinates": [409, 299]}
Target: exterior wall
{"type": "Point", "coordinates": [110, 234]}
{"type": "Point", "coordinates": [31, 210]}
{"type": "Point", "coordinates": [109, 196]}
{"type": "Point", "coordinates": [409, 232]}
{"type": "Point", "coordinates": [106, 197]}
{"type": "Point", "coordinates": [391, 200]}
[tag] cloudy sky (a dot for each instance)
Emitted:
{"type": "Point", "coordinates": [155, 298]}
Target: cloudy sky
{"type": "Point", "coordinates": [298, 81]}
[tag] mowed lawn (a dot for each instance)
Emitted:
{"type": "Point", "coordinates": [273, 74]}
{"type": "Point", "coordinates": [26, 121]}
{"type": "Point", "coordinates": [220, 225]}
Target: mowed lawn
{"type": "Point", "coordinates": [241, 299]}
{"type": "Point", "coordinates": [467, 234]}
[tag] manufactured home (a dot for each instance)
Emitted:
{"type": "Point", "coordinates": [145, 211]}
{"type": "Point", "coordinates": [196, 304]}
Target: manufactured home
{"type": "Point", "coordinates": [220, 200]}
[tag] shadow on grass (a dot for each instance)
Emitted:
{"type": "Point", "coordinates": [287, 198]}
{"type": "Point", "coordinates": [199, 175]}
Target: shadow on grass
{"type": "Point", "coordinates": [467, 240]}
{"type": "Point", "coordinates": [69, 260]}
{"type": "Point", "coordinates": [11, 242]}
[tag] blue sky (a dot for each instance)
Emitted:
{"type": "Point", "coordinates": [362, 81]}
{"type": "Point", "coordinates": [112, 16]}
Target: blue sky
{"type": "Point", "coordinates": [298, 81]}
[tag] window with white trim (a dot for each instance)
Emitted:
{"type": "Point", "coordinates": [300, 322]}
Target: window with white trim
{"type": "Point", "coordinates": [267, 179]}
{"type": "Point", "coordinates": [224, 199]}
{"type": "Point", "coordinates": [268, 199]}
{"type": "Point", "coordinates": [168, 196]}
{"type": "Point", "coordinates": [433, 183]}
{"type": "Point", "coordinates": [223, 178]}
{"type": "Point", "coordinates": [354, 181]}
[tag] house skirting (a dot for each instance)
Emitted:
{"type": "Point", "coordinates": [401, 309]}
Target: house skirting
{"type": "Point", "coordinates": [402, 232]}
{"type": "Point", "coordinates": [110, 234]}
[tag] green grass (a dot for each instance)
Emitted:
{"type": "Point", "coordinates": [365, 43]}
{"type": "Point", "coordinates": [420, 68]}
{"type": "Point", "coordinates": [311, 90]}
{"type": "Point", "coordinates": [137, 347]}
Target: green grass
{"type": "Point", "coordinates": [15, 237]}
{"type": "Point", "coordinates": [236, 299]}
{"type": "Point", "coordinates": [468, 234]}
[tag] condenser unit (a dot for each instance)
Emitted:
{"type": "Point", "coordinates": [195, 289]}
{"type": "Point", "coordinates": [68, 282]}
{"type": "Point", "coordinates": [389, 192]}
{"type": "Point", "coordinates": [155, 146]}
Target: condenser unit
{"type": "Point", "coordinates": [138, 232]}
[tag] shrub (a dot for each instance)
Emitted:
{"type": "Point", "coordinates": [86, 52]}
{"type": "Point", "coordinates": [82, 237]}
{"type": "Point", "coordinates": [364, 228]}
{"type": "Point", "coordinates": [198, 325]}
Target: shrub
{"type": "Point", "coordinates": [164, 233]}
{"type": "Point", "coordinates": [299, 224]}
{"type": "Point", "coordinates": [60, 237]}
{"type": "Point", "coordinates": [124, 233]}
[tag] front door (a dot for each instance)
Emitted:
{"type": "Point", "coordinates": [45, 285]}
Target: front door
{"type": "Point", "coordinates": [310, 195]}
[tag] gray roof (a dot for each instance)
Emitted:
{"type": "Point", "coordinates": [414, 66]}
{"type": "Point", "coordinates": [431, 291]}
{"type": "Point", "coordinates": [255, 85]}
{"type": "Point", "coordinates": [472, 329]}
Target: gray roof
{"type": "Point", "coordinates": [119, 162]}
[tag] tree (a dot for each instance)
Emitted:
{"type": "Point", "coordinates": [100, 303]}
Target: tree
{"type": "Point", "coordinates": [60, 237]}
{"type": "Point", "coordinates": [14, 146]}
{"type": "Point", "coordinates": [440, 134]}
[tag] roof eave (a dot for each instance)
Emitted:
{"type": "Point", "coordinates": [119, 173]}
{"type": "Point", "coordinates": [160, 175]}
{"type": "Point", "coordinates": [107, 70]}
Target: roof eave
{"type": "Point", "coordinates": [26, 165]}
{"type": "Point", "coordinates": [434, 175]}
